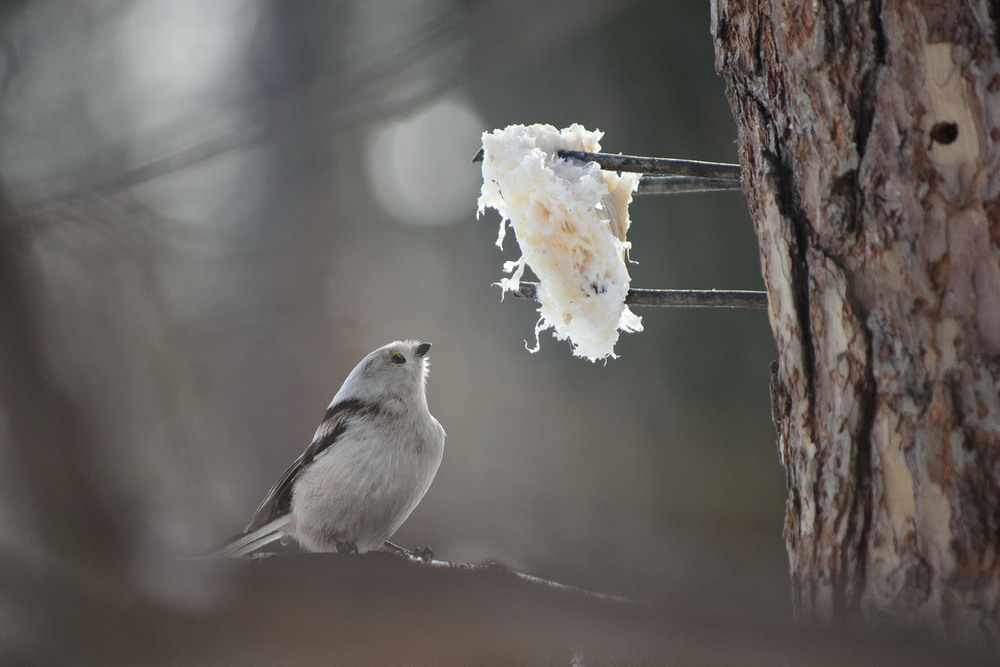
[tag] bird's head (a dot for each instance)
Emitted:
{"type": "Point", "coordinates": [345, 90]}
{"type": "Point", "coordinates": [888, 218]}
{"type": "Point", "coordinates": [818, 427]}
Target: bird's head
{"type": "Point", "coordinates": [394, 376]}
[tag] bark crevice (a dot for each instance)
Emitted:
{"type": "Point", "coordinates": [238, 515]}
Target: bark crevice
{"type": "Point", "coordinates": [790, 208]}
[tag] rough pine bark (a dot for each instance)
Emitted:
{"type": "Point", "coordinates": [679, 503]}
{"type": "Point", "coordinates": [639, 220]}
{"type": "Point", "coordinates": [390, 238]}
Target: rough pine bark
{"type": "Point", "coordinates": [869, 136]}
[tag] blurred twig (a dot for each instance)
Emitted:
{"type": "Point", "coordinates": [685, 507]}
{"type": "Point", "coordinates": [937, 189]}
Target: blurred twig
{"type": "Point", "coordinates": [51, 442]}
{"type": "Point", "coordinates": [77, 185]}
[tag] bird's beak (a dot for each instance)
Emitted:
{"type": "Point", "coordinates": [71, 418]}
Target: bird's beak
{"type": "Point", "coordinates": [422, 349]}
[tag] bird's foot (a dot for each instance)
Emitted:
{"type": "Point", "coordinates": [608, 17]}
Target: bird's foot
{"type": "Point", "coordinates": [346, 547]}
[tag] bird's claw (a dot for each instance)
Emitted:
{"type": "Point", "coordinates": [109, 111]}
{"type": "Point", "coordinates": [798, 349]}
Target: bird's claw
{"type": "Point", "coordinates": [346, 547]}
{"type": "Point", "coordinates": [421, 553]}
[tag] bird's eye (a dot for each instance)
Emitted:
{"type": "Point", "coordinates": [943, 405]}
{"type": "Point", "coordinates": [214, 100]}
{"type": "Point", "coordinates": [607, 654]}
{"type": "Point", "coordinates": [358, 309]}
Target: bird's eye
{"type": "Point", "coordinates": [397, 358]}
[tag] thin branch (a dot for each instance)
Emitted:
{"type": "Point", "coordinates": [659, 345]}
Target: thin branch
{"type": "Point", "coordinates": [663, 176]}
{"type": "Point", "coordinates": [676, 298]}
{"type": "Point", "coordinates": [659, 166]}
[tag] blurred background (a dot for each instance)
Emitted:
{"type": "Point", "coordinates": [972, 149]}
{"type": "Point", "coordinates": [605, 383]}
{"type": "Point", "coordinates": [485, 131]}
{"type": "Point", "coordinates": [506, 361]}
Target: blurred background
{"type": "Point", "coordinates": [213, 209]}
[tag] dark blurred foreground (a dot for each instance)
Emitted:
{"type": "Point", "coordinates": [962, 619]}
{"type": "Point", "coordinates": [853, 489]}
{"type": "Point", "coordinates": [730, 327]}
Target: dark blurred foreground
{"type": "Point", "coordinates": [381, 608]}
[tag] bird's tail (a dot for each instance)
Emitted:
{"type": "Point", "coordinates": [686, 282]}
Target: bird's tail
{"type": "Point", "coordinates": [250, 542]}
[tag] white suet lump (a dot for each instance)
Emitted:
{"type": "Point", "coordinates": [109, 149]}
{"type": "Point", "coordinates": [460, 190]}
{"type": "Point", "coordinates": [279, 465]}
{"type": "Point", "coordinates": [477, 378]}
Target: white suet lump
{"type": "Point", "coordinates": [570, 220]}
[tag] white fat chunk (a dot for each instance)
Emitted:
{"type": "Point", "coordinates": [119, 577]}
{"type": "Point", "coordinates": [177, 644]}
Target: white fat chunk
{"type": "Point", "coordinates": [570, 220]}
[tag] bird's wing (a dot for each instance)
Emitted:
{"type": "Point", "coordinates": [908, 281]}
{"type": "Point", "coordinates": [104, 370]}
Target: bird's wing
{"type": "Point", "coordinates": [278, 500]}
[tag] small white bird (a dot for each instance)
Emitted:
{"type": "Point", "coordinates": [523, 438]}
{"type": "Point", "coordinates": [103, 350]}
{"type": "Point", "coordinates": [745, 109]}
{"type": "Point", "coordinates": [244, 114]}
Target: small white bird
{"type": "Point", "coordinates": [369, 464]}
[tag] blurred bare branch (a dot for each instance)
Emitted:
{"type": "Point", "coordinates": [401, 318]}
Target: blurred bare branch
{"type": "Point", "coordinates": [51, 442]}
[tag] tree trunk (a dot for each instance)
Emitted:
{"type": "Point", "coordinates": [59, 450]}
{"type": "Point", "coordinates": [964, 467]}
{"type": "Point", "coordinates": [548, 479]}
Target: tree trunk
{"type": "Point", "coordinates": [870, 146]}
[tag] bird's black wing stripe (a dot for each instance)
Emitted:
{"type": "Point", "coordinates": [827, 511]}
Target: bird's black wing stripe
{"type": "Point", "coordinates": [278, 500]}
{"type": "Point", "coordinates": [335, 423]}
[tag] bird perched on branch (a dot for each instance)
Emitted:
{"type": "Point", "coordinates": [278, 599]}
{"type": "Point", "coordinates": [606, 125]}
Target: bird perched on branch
{"type": "Point", "coordinates": [369, 464]}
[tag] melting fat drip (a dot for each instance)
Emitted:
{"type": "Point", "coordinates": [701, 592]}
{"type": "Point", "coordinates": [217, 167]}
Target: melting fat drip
{"type": "Point", "coordinates": [570, 220]}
